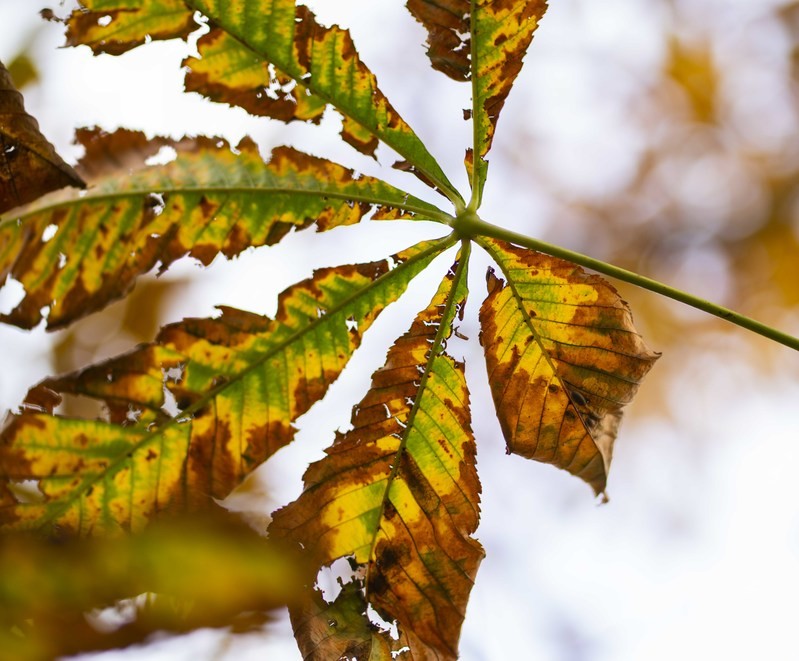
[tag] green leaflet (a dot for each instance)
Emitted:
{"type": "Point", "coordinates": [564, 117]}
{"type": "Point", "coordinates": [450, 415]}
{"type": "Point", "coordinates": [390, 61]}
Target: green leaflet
{"type": "Point", "coordinates": [238, 381]}
{"type": "Point", "coordinates": [74, 254]}
{"type": "Point", "coordinates": [321, 60]}
{"type": "Point", "coordinates": [501, 33]}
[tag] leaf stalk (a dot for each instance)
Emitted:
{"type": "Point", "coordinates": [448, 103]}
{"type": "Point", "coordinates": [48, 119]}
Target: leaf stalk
{"type": "Point", "coordinates": [470, 225]}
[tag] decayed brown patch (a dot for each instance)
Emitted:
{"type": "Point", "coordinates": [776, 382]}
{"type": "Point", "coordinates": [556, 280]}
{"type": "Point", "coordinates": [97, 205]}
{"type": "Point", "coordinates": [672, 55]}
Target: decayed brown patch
{"type": "Point", "coordinates": [118, 152]}
{"type": "Point", "coordinates": [446, 21]}
{"type": "Point", "coordinates": [211, 470]}
{"type": "Point", "coordinates": [15, 463]}
{"type": "Point", "coordinates": [361, 139]}
{"type": "Point", "coordinates": [308, 391]}
{"type": "Point", "coordinates": [418, 484]}
{"type": "Point", "coordinates": [263, 441]}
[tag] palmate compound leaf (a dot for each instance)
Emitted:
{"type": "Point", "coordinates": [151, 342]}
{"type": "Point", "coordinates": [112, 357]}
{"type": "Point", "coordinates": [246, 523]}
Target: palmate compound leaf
{"type": "Point", "coordinates": [563, 359]}
{"type": "Point", "coordinates": [237, 382]}
{"type": "Point", "coordinates": [483, 41]}
{"type": "Point", "coordinates": [399, 493]}
{"type": "Point", "coordinates": [29, 165]}
{"type": "Point", "coordinates": [270, 57]}
{"type": "Point", "coordinates": [75, 253]}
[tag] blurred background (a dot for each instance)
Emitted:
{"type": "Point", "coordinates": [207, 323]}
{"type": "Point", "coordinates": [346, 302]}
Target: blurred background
{"type": "Point", "coordinates": [660, 135]}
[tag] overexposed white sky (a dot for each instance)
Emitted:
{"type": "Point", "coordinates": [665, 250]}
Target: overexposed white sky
{"type": "Point", "coordinates": [696, 556]}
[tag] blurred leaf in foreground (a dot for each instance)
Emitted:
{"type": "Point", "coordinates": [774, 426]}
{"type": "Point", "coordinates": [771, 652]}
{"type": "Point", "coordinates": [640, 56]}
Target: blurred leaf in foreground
{"type": "Point", "coordinates": [196, 573]}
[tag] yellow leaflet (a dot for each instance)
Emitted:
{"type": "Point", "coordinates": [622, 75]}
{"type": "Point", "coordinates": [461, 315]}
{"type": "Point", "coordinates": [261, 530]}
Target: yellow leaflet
{"type": "Point", "coordinates": [563, 359]}
{"type": "Point", "coordinates": [401, 482]}
{"type": "Point", "coordinates": [501, 33]}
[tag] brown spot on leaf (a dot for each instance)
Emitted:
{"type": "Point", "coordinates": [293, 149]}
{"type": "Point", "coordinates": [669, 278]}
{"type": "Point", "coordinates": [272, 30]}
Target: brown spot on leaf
{"type": "Point", "coordinates": [264, 440]}
{"type": "Point", "coordinates": [207, 207]}
{"type": "Point", "coordinates": [389, 511]}
{"type": "Point", "coordinates": [211, 470]}
{"type": "Point", "coordinates": [377, 584]}
{"type": "Point", "coordinates": [577, 398]}
{"type": "Point", "coordinates": [386, 557]}
{"type": "Point", "coordinates": [444, 445]}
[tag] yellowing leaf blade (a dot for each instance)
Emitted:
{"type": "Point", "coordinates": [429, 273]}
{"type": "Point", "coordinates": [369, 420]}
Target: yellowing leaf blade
{"type": "Point", "coordinates": [563, 359]}
{"type": "Point", "coordinates": [74, 254]}
{"type": "Point", "coordinates": [116, 26]}
{"type": "Point", "coordinates": [399, 492]}
{"type": "Point", "coordinates": [501, 33]}
{"type": "Point", "coordinates": [483, 41]}
{"type": "Point", "coordinates": [238, 382]}
{"type": "Point", "coordinates": [229, 72]}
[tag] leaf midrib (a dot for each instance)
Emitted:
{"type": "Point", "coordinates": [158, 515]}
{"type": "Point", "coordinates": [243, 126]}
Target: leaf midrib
{"type": "Point", "coordinates": [432, 356]}
{"type": "Point", "coordinates": [433, 212]}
